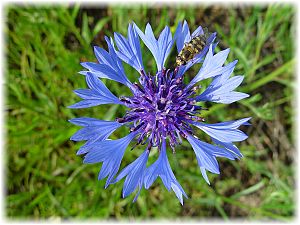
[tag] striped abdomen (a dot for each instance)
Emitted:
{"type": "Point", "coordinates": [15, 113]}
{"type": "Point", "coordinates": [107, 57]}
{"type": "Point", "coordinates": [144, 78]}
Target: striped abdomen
{"type": "Point", "coordinates": [190, 49]}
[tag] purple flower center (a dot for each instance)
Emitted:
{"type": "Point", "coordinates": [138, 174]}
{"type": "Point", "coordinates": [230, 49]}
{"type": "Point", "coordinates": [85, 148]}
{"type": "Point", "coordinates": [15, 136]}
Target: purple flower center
{"type": "Point", "coordinates": [161, 107]}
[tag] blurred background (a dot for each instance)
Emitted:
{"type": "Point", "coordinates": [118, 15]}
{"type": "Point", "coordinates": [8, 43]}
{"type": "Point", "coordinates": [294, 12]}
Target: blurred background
{"type": "Point", "coordinates": [45, 178]}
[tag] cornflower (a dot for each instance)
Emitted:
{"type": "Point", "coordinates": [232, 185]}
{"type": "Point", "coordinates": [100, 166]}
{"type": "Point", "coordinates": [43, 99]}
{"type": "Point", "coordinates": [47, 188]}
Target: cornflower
{"type": "Point", "coordinates": [163, 110]}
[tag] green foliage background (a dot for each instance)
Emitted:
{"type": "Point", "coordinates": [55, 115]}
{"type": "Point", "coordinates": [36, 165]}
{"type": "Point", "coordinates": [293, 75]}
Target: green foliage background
{"type": "Point", "coordinates": [45, 178]}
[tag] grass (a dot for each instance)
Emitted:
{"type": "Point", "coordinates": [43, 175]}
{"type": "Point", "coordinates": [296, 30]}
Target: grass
{"type": "Point", "coordinates": [45, 178]}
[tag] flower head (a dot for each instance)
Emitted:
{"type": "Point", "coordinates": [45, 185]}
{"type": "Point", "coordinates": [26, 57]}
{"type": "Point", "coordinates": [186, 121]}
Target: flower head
{"type": "Point", "coordinates": [161, 110]}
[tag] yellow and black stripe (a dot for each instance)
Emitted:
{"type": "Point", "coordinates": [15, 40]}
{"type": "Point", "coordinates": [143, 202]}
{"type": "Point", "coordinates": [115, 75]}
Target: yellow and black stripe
{"type": "Point", "coordinates": [191, 49]}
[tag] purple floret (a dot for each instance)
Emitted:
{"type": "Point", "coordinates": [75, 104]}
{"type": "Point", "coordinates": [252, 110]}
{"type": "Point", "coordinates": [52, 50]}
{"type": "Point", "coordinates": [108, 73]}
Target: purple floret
{"type": "Point", "coordinates": [161, 107]}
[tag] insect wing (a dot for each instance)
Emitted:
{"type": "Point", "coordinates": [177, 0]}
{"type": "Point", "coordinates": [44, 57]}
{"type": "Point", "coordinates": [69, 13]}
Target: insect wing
{"type": "Point", "coordinates": [206, 33]}
{"type": "Point", "coordinates": [199, 31]}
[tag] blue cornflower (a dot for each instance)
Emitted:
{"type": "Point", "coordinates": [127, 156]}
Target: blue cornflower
{"type": "Point", "coordinates": [162, 108]}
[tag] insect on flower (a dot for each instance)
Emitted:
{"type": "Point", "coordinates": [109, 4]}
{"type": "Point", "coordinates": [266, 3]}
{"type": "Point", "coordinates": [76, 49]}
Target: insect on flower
{"type": "Point", "coordinates": [193, 47]}
{"type": "Point", "coordinates": [162, 109]}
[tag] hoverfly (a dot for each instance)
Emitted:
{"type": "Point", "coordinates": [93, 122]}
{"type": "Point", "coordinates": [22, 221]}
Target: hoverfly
{"type": "Point", "coordinates": [192, 48]}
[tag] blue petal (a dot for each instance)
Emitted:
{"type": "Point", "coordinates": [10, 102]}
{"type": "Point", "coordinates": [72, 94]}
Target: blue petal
{"type": "Point", "coordinates": [230, 147]}
{"type": "Point", "coordinates": [228, 69]}
{"type": "Point", "coordinates": [110, 152]}
{"type": "Point", "coordinates": [209, 149]}
{"type": "Point", "coordinates": [103, 56]}
{"type": "Point", "coordinates": [227, 98]}
{"type": "Point", "coordinates": [178, 192]}
{"type": "Point", "coordinates": [134, 173]}
{"type": "Point", "coordinates": [204, 152]}
{"type": "Point", "coordinates": [162, 168]}
{"type": "Point", "coordinates": [229, 85]}
{"type": "Point", "coordinates": [212, 66]}
{"type": "Point", "coordinates": [160, 48]}
{"type": "Point", "coordinates": [182, 35]}
{"type": "Point", "coordinates": [106, 71]}
{"type": "Point", "coordinates": [129, 50]}
{"type": "Point", "coordinates": [100, 152]}
{"type": "Point", "coordinates": [217, 151]}
{"type": "Point", "coordinates": [98, 94]}
{"type": "Point", "coordinates": [94, 130]}
{"type": "Point", "coordinates": [89, 145]}
{"type": "Point", "coordinates": [113, 52]}
{"type": "Point", "coordinates": [233, 124]}
{"type": "Point", "coordinates": [139, 191]}
{"type": "Point", "coordinates": [203, 171]}
{"type": "Point", "coordinates": [109, 66]}
{"type": "Point", "coordinates": [97, 85]}
{"type": "Point", "coordinates": [155, 170]}
{"type": "Point", "coordinates": [88, 103]}
{"type": "Point", "coordinates": [221, 133]}
{"type": "Point", "coordinates": [111, 167]}
{"type": "Point", "coordinates": [221, 88]}
{"type": "Point", "coordinates": [87, 121]}
{"type": "Point", "coordinates": [206, 155]}
{"type": "Point", "coordinates": [87, 94]}
{"type": "Point", "coordinates": [165, 43]}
